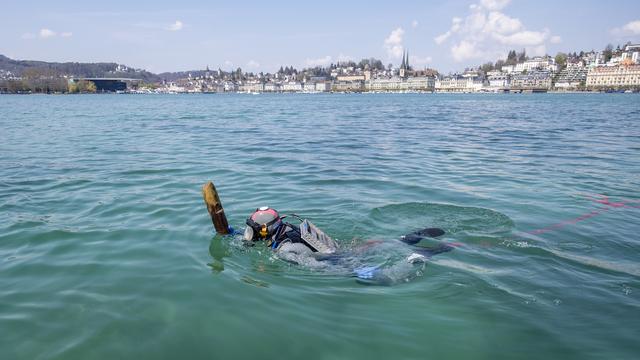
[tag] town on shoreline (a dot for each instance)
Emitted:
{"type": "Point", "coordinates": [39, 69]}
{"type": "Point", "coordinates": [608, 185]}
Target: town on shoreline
{"type": "Point", "coordinates": [610, 70]}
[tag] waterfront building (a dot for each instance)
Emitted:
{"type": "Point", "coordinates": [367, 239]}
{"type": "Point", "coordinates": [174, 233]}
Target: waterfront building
{"type": "Point", "coordinates": [414, 83]}
{"type": "Point", "coordinates": [571, 77]}
{"type": "Point", "coordinates": [218, 87]}
{"type": "Point", "coordinates": [614, 76]}
{"type": "Point", "coordinates": [351, 77]}
{"type": "Point", "coordinates": [348, 86]}
{"type": "Point", "coordinates": [454, 83]}
{"type": "Point", "coordinates": [292, 86]}
{"type": "Point", "coordinates": [498, 80]}
{"type": "Point", "coordinates": [469, 81]}
{"type": "Point", "coordinates": [420, 83]}
{"type": "Point", "coordinates": [309, 87]}
{"type": "Point", "coordinates": [254, 86]}
{"type": "Point", "coordinates": [533, 80]}
{"type": "Point", "coordinates": [384, 84]}
{"type": "Point", "coordinates": [323, 86]}
{"type": "Point", "coordinates": [230, 86]}
{"type": "Point", "coordinates": [272, 87]}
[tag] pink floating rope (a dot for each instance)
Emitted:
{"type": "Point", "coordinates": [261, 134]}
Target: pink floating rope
{"type": "Point", "coordinates": [597, 198]}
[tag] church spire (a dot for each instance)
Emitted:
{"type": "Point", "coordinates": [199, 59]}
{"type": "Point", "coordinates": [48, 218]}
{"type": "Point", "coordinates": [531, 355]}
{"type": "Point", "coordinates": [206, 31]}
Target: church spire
{"type": "Point", "coordinates": [407, 61]}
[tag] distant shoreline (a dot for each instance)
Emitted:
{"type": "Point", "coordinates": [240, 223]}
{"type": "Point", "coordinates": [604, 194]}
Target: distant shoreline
{"type": "Point", "coordinates": [333, 93]}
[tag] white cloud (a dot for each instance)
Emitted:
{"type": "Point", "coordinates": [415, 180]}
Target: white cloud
{"type": "Point", "coordinates": [324, 61]}
{"type": "Point", "coordinates": [502, 24]}
{"type": "Point", "coordinates": [523, 38]}
{"type": "Point", "coordinates": [630, 28]}
{"type": "Point", "coordinates": [414, 24]}
{"type": "Point", "coordinates": [176, 26]}
{"type": "Point", "coordinates": [465, 50]}
{"type": "Point", "coordinates": [455, 23]}
{"type": "Point", "coordinates": [494, 4]}
{"type": "Point", "coordinates": [252, 64]}
{"type": "Point", "coordinates": [393, 43]}
{"type": "Point", "coordinates": [455, 26]}
{"type": "Point", "coordinates": [46, 33]}
{"type": "Point", "coordinates": [442, 38]}
{"type": "Point", "coordinates": [228, 63]}
{"type": "Point", "coordinates": [487, 33]}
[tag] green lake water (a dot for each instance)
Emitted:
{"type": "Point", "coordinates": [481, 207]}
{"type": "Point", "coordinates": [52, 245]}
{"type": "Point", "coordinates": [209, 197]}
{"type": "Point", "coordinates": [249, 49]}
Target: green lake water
{"type": "Point", "coordinates": [107, 251]}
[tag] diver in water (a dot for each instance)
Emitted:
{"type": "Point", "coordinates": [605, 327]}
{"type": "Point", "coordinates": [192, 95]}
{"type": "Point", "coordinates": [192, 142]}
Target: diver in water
{"type": "Point", "coordinates": [307, 245]}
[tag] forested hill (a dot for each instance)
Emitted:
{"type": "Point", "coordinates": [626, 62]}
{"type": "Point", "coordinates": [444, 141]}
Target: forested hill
{"type": "Point", "coordinates": [22, 68]}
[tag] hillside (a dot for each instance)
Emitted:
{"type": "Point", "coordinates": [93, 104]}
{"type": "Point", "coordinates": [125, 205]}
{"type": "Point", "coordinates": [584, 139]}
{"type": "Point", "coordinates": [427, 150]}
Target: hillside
{"type": "Point", "coordinates": [23, 67]}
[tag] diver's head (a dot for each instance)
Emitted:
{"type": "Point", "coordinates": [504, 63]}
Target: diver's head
{"type": "Point", "coordinates": [262, 224]}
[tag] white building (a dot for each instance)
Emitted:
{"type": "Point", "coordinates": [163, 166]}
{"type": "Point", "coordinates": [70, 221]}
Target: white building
{"type": "Point", "coordinates": [272, 87]}
{"type": "Point", "coordinates": [614, 76]}
{"type": "Point", "coordinates": [458, 83]}
{"type": "Point", "coordinates": [545, 63]}
{"type": "Point", "coordinates": [421, 83]}
{"type": "Point", "coordinates": [252, 87]}
{"type": "Point", "coordinates": [498, 79]}
{"type": "Point", "coordinates": [309, 87]}
{"type": "Point", "coordinates": [508, 68]}
{"type": "Point", "coordinates": [230, 86]}
{"type": "Point", "coordinates": [349, 86]}
{"type": "Point", "coordinates": [416, 83]}
{"type": "Point", "coordinates": [323, 86]}
{"type": "Point", "coordinates": [292, 86]}
{"type": "Point", "coordinates": [632, 52]}
{"type": "Point", "coordinates": [384, 84]}
{"type": "Point", "coordinates": [533, 80]}
{"type": "Point", "coordinates": [571, 77]}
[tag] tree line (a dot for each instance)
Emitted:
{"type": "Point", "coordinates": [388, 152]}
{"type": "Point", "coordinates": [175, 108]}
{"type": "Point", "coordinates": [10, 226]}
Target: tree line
{"type": "Point", "coordinates": [44, 81]}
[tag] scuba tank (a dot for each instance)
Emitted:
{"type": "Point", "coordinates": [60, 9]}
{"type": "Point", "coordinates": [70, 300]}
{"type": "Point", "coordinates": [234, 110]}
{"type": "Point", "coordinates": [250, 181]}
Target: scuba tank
{"type": "Point", "coordinates": [316, 238]}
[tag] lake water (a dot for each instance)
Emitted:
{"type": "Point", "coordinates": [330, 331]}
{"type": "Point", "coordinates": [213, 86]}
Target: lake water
{"type": "Point", "coordinates": [107, 251]}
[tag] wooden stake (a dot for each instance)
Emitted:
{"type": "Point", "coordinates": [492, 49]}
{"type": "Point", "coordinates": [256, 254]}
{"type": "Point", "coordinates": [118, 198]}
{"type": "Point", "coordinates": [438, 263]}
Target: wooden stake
{"type": "Point", "coordinates": [214, 207]}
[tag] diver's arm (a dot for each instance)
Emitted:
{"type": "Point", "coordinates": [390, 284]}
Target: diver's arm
{"type": "Point", "coordinates": [433, 250]}
{"type": "Point", "coordinates": [415, 237]}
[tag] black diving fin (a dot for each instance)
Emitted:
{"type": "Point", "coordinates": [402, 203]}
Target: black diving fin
{"type": "Point", "coordinates": [416, 236]}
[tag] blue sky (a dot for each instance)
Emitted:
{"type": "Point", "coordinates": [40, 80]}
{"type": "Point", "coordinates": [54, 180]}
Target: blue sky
{"type": "Point", "coordinates": [260, 36]}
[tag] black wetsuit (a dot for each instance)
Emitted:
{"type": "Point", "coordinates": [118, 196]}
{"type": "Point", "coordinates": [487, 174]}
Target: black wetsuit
{"type": "Point", "coordinates": [286, 233]}
{"type": "Point", "coordinates": [291, 233]}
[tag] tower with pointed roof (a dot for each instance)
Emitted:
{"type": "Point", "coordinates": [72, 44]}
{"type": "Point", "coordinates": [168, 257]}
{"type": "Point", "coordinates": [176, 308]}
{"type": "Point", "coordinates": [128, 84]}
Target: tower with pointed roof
{"type": "Point", "coordinates": [404, 67]}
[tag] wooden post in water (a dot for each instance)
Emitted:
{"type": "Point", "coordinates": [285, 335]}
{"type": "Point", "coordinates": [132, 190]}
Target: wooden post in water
{"type": "Point", "coordinates": [214, 207]}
